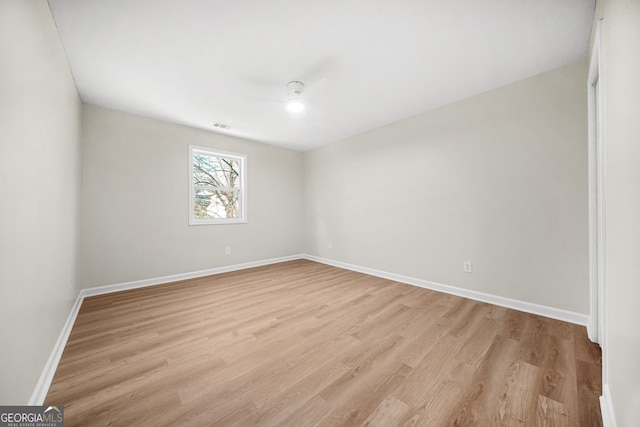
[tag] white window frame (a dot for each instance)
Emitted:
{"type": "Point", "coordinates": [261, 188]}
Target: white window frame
{"type": "Point", "coordinates": [242, 199]}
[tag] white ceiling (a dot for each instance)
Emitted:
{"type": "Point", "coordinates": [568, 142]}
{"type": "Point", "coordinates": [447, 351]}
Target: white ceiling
{"type": "Point", "coordinates": [366, 63]}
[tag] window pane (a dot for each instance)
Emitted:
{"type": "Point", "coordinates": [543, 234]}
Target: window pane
{"type": "Point", "coordinates": [216, 204]}
{"type": "Point", "coordinates": [215, 171]}
{"type": "Point", "coordinates": [217, 187]}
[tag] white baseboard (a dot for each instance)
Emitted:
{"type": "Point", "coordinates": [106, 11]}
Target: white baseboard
{"type": "Point", "coordinates": [40, 392]}
{"type": "Point", "coordinates": [592, 332]}
{"type": "Point", "coordinates": [42, 387]}
{"type": "Point", "coordinates": [542, 310]}
{"type": "Point", "coordinates": [606, 407]}
{"type": "Point", "coordinates": [44, 382]}
{"type": "Point", "coordinates": [101, 290]}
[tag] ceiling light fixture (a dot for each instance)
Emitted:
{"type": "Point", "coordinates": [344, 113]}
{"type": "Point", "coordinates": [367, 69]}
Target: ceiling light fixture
{"type": "Point", "coordinates": [294, 96]}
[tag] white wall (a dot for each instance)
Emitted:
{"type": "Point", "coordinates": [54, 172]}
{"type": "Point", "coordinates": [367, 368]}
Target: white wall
{"type": "Point", "coordinates": [134, 214]}
{"type": "Point", "coordinates": [621, 137]}
{"type": "Point", "coordinates": [499, 179]}
{"type": "Point", "coordinates": [39, 186]}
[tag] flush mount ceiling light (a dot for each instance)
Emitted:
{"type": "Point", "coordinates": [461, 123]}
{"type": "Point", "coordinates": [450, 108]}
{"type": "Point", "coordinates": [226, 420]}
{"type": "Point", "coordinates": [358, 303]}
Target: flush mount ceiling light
{"type": "Point", "coordinates": [294, 96]}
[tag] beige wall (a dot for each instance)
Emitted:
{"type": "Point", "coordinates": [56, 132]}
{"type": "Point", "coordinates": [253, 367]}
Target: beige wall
{"type": "Point", "coordinates": [499, 179]}
{"type": "Point", "coordinates": [134, 214]}
{"type": "Point", "coordinates": [39, 185]}
{"type": "Point", "coordinates": [621, 136]}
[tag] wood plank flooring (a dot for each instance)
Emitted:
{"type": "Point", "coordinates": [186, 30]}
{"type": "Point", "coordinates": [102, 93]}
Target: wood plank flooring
{"type": "Point", "coordinates": [305, 344]}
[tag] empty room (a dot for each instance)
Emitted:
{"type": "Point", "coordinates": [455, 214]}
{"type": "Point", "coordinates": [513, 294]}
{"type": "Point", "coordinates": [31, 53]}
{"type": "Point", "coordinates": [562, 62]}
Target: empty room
{"type": "Point", "coordinates": [286, 213]}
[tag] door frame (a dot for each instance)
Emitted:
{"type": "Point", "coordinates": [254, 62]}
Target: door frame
{"type": "Point", "coordinates": [597, 234]}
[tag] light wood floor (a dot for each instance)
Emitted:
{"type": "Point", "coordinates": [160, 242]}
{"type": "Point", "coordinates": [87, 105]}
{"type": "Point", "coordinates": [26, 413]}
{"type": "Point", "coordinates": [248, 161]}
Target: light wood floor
{"type": "Point", "coordinates": [305, 344]}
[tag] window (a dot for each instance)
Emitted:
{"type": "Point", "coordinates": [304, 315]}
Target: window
{"type": "Point", "coordinates": [217, 187]}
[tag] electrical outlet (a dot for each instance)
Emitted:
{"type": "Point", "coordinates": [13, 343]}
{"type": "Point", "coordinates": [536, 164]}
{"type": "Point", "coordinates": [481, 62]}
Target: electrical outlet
{"type": "Point", "coordinates": [467, 267]}
{"type": "Point", "coordinates": [227, 250]}
{"type": "Point", "coordinates": [330, 245]}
